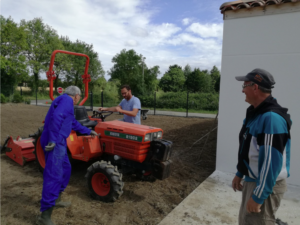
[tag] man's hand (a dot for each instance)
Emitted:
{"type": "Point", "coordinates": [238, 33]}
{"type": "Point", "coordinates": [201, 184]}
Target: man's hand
{"type": "Point", "coordinates": [253, 206]}
{"type": "Point", "coordinates": [93, 133]}
{"type": "Point", "coordinates": [119, 109]}
{"type": "Point", "coordinates": [236, 183]}
{"type": "Point", "coordinates": [102, 109]}
{"type": "Point", "coordinates": [49, 147]}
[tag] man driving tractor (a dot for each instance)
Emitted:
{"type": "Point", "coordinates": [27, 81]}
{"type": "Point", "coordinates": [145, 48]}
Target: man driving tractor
{"type": "Point", "coordinates": [130, 106]}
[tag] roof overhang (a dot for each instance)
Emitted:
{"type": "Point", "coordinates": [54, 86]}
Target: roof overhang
{"type": "Point", "coordinates": [247, 4]}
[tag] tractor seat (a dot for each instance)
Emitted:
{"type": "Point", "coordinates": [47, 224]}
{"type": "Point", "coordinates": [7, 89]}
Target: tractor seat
{"type": "Point", "coordinates": [82, 117]}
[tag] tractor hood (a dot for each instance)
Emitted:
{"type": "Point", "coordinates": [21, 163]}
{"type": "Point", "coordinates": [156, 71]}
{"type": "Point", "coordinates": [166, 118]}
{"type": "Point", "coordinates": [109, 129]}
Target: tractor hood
{"type": "Point", "coordinates": [124, 127]}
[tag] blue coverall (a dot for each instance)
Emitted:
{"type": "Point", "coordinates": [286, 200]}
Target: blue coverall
{"type": "Point", "coordinates": [59, 122]}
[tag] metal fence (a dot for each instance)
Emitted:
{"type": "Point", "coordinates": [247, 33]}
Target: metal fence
{"type": "Point", "coordinates": [181, 101]}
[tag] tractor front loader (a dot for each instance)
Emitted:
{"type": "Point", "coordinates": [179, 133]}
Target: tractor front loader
{"type": "Point", "coordinates": [119, 148]}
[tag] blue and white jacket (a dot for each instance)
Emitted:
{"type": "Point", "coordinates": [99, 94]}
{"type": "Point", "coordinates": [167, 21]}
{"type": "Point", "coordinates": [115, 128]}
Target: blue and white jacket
{"type": "Point", "coordinates": [264, 152]}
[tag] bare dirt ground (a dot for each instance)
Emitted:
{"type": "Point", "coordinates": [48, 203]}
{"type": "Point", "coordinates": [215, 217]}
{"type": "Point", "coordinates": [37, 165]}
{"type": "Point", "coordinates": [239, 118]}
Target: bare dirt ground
{"type": "Point", "coordinates": [141, 203]}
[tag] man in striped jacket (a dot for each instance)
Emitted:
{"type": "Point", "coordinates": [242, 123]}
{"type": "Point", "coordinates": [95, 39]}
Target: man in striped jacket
{"type": "Point", "coordinates": [264, 151]}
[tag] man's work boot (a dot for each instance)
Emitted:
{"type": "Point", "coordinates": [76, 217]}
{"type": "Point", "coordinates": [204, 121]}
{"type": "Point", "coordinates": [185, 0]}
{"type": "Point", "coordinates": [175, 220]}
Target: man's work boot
{"type": "Point", "coordinates": [45, 218]}
{"type": "Point", "coordinates": [279, 222]}
{"type": "Point", "coordinates": [59, 203]}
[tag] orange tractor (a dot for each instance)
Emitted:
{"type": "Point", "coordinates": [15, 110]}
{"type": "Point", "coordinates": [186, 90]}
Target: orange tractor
{"type": "Point", "coordinates": [122, 147]}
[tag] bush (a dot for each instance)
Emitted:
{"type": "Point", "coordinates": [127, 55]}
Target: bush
{"type": "Point", "coordinates": [147, 101]}
{"type": "Point", "coordinates": [17, 98]}
{"type": "Point", "coordinates": [175, 100]}
{"type": "Point", "coordinates": [108, 98]}
{"type": "Point", "coordinates": [3, 99]}
{"type": "Point", "coordinates": [27, 101]}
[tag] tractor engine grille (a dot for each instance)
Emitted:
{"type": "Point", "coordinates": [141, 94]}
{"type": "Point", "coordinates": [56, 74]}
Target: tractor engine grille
{"type": "Point", "coordinates": [132, 152]}
{"type": "Point", "coordinates": [120, 145]}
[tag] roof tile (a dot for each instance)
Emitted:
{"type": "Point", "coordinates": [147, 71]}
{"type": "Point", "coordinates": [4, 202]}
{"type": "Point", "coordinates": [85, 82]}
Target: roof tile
{"type": "Point", "coordinates": [236, 5]}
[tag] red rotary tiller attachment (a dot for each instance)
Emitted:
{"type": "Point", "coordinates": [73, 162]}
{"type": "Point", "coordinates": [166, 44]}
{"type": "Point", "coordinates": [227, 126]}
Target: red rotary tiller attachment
{"type": "Point", "coordinates": [19, 150]}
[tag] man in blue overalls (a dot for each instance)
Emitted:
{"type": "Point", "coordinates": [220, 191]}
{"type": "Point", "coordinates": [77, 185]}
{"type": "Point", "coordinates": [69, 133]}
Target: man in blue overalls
{"type": "Point", "coordinates": [59, 122]}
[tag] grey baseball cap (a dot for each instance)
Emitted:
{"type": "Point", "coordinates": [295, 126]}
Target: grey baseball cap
{"type": "Point", "coordinates": [259, 76]}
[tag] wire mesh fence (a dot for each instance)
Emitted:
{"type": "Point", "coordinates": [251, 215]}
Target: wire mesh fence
{"type": "Point", "coordinates": [173, 101]}
{"type": "Point", "coordinates": [182, 101]}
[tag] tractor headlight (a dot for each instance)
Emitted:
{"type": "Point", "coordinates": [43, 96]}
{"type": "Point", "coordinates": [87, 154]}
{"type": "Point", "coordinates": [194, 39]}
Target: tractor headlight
{"type": "Point", "coordinates": [147, 137]}
{"type": "Point", "coordinates": [159, 135]}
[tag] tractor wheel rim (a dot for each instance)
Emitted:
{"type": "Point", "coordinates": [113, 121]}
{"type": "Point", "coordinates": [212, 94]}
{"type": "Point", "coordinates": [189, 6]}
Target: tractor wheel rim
{"type": "Point", "coordinates": [100, 184]}
{"type": "Point", "coordinates": [40, 153]}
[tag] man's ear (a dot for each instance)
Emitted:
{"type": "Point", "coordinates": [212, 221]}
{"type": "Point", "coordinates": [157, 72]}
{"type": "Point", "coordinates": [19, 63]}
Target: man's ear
{"type": "Point", "coordinates": [255, 87]}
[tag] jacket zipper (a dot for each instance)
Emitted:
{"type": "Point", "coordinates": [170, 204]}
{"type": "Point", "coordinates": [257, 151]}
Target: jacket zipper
{"type": "Point", "coordinates": [241, 150]}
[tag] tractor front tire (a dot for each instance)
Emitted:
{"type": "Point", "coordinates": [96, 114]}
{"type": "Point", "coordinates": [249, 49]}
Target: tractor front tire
{"type": "Point", "coordinates": [38, 150]}
{"type": "Point", "coordinates": [104, 181]}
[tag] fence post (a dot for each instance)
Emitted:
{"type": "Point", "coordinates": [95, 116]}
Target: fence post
{"type": "Point", "coordinates": [21, 91]}
{"type": "Point", "coordinates": [154, 102]}
{"type": "Point", "coordinates": [101, 98]}
{"type": "Point", "coordinates": [187, 104]}
{"type": "Point", "coordinates": [36, 96]}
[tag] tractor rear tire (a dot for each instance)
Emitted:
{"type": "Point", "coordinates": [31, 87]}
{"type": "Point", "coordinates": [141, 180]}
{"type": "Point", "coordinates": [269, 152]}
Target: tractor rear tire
{"type": "Point", "coordinates": [104, 181]}
{"type": "Point", "coordinates": [38, 150]}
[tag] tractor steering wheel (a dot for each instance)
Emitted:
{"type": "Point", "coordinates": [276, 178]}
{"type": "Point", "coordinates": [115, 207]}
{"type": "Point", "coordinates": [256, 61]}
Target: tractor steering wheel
{"type": "Point", "coordinates": [101, 114]}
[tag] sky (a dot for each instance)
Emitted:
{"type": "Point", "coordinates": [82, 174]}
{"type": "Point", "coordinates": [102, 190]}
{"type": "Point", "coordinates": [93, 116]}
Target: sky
{"type": "Point", "coordinates": [165, 32]}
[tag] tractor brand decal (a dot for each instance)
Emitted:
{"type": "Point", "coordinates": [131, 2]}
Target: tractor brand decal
{"type": "Point", "coordinates": [123, 136]}
{"type": "Point", "coordinates": [71, 137]}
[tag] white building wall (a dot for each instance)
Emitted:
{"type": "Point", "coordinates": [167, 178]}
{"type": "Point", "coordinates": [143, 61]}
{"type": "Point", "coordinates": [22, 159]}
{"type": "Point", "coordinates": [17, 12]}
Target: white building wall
{"type": "Point", "coordinates": [253, 39]}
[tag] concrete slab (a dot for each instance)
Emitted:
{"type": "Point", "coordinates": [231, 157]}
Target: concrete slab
{"type": "Point", "coordinates": [214, 202]}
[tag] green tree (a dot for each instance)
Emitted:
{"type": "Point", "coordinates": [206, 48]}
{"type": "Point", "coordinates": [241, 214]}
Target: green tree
{"type": "Point", "coordinates": [150, 79]}
{"type": "Point", "coordinates": [217, 85]}
{"type": "Point", "coordinates": [207, 86]}
{"type": "Point", "coordinates": [62, 64]}
{"type": "Point", "coordinates": [95, 70]}
{"type": "Point", "coordinates": [195, 81]}
{"type": "Point", "coordinates": [173, 79]}
{"type": "Point", "coordinates": [77, 63]}
{"type": "Point", "coordinates": [215, 77]}
{"type": "Point", "coordinates": [42, 40]}
{"type": "Point", "coordinates": [128, 69]}
{"type": "Point", "coordinates": [111, 92]}
{"type": "Point", "coordinates": [13, 65]}
{"type": "Point", "coordinates": [98, 85]}
{"type": "Point", "coordinates": [187, 71]}
{"type": "Point", "coordinates": [199, 81]}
